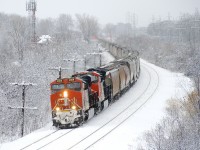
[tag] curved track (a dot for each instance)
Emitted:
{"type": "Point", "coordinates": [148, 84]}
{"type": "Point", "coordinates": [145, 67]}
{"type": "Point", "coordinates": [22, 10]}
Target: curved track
{"type": "Point", "coordinates": [77, 139]}
{"type": "Point", "coordinates": [96, 136]}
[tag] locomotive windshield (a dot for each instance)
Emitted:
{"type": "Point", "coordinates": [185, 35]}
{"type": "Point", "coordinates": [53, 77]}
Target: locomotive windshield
{"type": "Point", "coordinates": [74, 86]}
{"type": "Point", "coordinates": [57, 86]}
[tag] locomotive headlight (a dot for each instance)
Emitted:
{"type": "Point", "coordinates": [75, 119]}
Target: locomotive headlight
{"type": "Point", "coordinates": [65, 94]}
{"type": "Point", "coordinates": [57, 109]}
{"type": "Point", "coordinates": [74, 107]}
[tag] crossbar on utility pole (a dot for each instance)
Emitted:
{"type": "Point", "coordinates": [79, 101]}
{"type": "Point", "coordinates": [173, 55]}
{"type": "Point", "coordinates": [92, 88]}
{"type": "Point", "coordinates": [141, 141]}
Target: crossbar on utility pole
{"type": "Point", "coordinates": [74, 60]}
{"type": "Point", "coordinates": [24, 85]}
{"type": "Point", "coordinates": [59, 69]}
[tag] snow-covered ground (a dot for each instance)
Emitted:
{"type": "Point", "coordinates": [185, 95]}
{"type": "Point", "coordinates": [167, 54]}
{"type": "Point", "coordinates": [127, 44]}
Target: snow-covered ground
{"type": "Point", "coordinates": [119, 126]}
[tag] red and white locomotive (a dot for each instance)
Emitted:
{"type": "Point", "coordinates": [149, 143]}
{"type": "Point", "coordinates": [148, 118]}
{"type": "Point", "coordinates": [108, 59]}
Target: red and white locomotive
{"type": "Point", "coordinates": [76, 99]}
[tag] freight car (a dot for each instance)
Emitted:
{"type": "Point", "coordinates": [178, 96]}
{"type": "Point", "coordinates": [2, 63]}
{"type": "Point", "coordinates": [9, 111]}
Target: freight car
{"type": "Point", "coordinates": [76, 99]}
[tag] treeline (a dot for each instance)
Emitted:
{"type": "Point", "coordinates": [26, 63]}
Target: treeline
{"type": "Point", "coordinates": [172, 44]}
{"type": "Point", "coordinates": [21, 60]}
{"type": "Point", "coordinates": [183, 39]}
{"type": "Point", "coordinates": [65, 27]}
{"type": "Point", "coordinates": [185, 29]}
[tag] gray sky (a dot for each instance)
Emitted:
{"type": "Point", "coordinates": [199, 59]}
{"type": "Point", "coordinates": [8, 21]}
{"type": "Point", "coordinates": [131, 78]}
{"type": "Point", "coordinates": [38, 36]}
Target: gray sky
{"type": "Point", "coordinates": [106, 10]}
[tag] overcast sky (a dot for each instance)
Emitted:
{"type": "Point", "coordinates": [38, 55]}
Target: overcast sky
{"type": "Point", "coordinates": [106, 10]}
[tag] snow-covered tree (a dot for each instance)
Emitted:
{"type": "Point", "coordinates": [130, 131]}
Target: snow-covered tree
{"type": "Point", "coordinates": [18, 33]}
{"type": "Point", "coordinates": [109, 30]}
{"type": "Point", "coordinates": [46, 27]}
{"type": "Point", "coordinates": [64, 26]}
{"type": "Point", "coordinates": [88, 25]}
{"type": "Point", "coordinates": [180, 129]}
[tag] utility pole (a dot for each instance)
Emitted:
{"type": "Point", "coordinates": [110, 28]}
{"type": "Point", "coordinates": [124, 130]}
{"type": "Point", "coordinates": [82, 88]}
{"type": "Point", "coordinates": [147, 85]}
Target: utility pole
{"type": "Point", "coordinates": [74, 60]}
{"type": "Point", "coordinates": [59, 69]}
{"type": "Point", "coordinates": [198, 85]}
{"type": "Point", "coordinates": [198, 92]}
{"type": "Point", "coordinates": [85, 61]}
{"type": "Point", "coordinates": [94, 54]}
{"type": "Point", "coordinates": [24, 87]}
{"type": "Point", "coordinates": [198, 103]}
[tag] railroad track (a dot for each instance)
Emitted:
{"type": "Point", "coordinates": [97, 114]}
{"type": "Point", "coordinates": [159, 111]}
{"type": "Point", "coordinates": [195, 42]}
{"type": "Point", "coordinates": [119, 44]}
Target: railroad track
{"type": "Point", "coordinates": [55, 139]}
{"type": "Point", "coordinates": [105, 125]}
{"type": "Point", "coordinates": [102, 127]}
{"type": "Point", "coordinates": [31, 146]}
{"type": "Point", "coordinates": [39, 140]}
{"type": "Point", "coordinates": [125, 115]}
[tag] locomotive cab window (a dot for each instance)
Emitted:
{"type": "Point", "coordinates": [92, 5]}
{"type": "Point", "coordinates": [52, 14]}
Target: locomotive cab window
{"type": "Point", "coordinates": [57, 86]}
{"type": "Point", "coordinates": [74, 86]}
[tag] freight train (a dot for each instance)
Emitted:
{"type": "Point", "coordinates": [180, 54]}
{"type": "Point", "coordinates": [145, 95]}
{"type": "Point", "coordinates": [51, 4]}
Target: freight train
{"type": "Point", "coordinates": [76, 99]}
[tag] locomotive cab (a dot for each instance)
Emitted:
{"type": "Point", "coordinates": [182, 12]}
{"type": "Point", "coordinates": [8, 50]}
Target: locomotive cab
{"type": "Point", "coordinates": [74, 100]}
{"type": "Point", "coordinates": [67, 101]}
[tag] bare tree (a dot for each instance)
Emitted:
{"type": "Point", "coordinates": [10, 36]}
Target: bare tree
{"type": "Point", "coordinates": [179, 129]}
{"type": "Point", "coordinates": [46, 27]}
{"type": "Point", "coordinates": [64, 27]}
{"type": "Point", "coordinates": [110, 31]}
{"type": "Point", "coordinates": [18, 34]}
{"type": "Point", "coordinates": [88, 25]}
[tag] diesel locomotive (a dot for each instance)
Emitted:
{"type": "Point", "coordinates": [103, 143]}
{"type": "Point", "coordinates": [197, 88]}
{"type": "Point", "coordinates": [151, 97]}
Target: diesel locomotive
{"type": "Point", "coordinates": [78, 98]}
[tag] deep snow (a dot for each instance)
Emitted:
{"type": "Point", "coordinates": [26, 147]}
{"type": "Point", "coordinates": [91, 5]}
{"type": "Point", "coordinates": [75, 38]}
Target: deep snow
{"type": "Point", "coordinates": [155, 84]}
